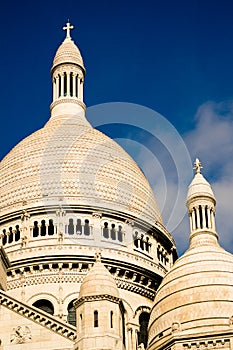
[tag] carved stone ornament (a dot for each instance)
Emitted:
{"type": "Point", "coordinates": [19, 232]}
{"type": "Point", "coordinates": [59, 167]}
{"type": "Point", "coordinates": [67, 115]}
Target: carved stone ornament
{"type": "Point", "coordinates": [20, 335]}
{"type": "Point", "coordinates": [176, 327]}
{"type": "Point", "coordinates": [97, 215]}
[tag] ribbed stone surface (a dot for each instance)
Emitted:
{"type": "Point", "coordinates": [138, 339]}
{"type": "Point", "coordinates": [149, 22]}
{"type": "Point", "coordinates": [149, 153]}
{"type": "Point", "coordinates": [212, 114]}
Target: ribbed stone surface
{"type": "Point", "coordinates": [69, 161]}
{"type": "Point", "coordinates": [68, 52]}
{"type": "Point", "coordinates": [98, 281]}
{"type": "Point", "coordinates": [197, 293]}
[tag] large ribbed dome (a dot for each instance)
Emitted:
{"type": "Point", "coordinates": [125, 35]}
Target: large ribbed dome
{"type": "Point", "coordinates": [69, 162]}
{"type": "Point", "coordinates": [195, 296]}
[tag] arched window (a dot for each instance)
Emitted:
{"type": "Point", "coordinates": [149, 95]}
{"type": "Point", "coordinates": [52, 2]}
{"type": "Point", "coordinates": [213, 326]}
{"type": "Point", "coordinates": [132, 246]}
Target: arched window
{"type": "Point", "coordinates": [4, 240]}
{"type": "Point", "coordinates": [43, 228]}
{"type": "Point", "coordinates": [71, 84]}
{"type": "Point", "coordinates": [65, 84]}
{"type": "Point", "coordinates": [35, 229]}
{"type": "Point", "coordinates": [143, 329]}
{"type": "Point", "coordinates": [79, 227]}
{"type": "Point", "coordinates": [86, 228]}
{"type": "Point", "coordinates": [120, 234]}
{"type": "Point", "coordinates": [17, 233]}
{"type": "Point", "coordinates": [44, 305]}
{"type": "Point", "coordinates": [96, 319]}
{"type": "Point", "coordinates": [106, 230]}
{"type": "Point", "coordinates": [10, 238]}
{"type": "Point", "coordinates": [51, 227]}
{"type": "Point", "coordinates": [113, 232]}
{"type": "Point", "coordinates": [71, 318]}
{"type": "Point", "coordinates": [136, 239]}
{"type": "Point", "coordinates": [111, 319]}
{"type": "Point", "coordinates": [71, 227]}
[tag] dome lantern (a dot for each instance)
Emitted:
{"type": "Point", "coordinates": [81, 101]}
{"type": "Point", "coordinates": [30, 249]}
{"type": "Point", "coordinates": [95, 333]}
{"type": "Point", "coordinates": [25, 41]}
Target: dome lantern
{"type": "Point", "coordinates": [67, 78]}
{"type": "Point", "coordinates": [201, 207]}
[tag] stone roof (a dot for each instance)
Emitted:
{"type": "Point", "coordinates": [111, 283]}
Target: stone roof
{"type": "Point", "coordinates": [68, 52]}
{"type": "Point", "coordinates": [199, 187]}
{"type": "Point", "coordinates": [98, 282]}
{"type": "Point", "coordinates": [195, 297]}
{"type": "Point", "coordinates": [71, 162]}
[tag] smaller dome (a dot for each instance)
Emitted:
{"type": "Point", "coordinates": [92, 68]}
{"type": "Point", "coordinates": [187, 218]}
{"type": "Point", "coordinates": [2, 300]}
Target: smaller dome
{"type": "Point", "coordinates": [199, 187]}
{"type": "Point", "coordinates": [68, 52]}
{"type": "Point", "coordinates": [98, 281]}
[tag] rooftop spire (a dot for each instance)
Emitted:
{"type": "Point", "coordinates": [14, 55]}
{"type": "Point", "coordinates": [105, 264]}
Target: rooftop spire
{"type": "Point", "coordinates": [201, 208]}
{"type": "Point", "coordinates": [68, 28]}
{"type": "Point", "coordinates": [68, 79]}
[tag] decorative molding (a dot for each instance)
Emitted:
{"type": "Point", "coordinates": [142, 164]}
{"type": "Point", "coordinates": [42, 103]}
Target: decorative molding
{"type": "Point", "coordinates": [208, 344]}
{"type": "Point", "coordinates": [38, 316]}
{"type": "Point", "coordinates": [99, 297]}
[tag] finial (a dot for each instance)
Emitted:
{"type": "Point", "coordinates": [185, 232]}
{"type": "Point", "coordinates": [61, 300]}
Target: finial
{"type": "Point", "coordinates": [98, 256]}
{"type": "Point", "coordinates": [68, 28]}
{"type": "Point", "coordinates": [197, 166]}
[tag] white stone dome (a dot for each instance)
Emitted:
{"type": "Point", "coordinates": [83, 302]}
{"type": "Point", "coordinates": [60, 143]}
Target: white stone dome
{"type": "Point", "coordinates": [69, 162]}
{"type": "Point", "coordinates": [199, 187]}
{"type": "Point", "coordinates": [68, 52]}
{"type": "Point", "coordinates": [98, 281]}
{"type": "Point", "coordinates": [195, 296]}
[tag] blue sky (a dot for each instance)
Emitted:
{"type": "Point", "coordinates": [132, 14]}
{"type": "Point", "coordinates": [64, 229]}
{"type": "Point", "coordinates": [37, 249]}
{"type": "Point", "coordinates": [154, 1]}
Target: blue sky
{"type": "Point", "coordinates": [174, 57]}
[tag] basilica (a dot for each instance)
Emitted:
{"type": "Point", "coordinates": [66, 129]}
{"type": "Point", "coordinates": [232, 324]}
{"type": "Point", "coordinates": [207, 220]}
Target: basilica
{"type": "Point", "coordinates": [85, 260]}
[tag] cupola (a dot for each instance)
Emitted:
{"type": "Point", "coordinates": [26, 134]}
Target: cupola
{"type": "Point", "coordinates": [67, 78]}
{"type": "Point", "coordinates": [201, 207]}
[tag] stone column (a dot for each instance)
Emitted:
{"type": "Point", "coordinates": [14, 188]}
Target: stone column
{"type": "Point", "coordinates": [212, 219]}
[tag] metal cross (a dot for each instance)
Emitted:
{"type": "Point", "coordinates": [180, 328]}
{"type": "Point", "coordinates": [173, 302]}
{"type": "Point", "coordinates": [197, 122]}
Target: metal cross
{"type": "Point", "coordinates": [68, 28]}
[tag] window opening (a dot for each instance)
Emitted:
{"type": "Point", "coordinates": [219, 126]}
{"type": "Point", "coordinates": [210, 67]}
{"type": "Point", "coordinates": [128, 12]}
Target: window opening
{"type": "Point", "coordinates": [17, 234]}
{"type": "Point", "coordinates": [79, 227]}
{"type": "Point", "coordinates": [44, 305]}
{"type": "Point", "coordinates": [113, 232]}
{"type": "Point", "coordinates": [71, 318]}
{"type": "Point", "coordinates": [43, 228]}
{"type": "Point", "coordinates": [96, 320]}
{"type": "Point", "coordinates": [120, 234]}
{"type": "Point", "coordinates": [143, 329]}
{"type": "Point", "coordinates": [51, 227]}
{"type": "Point", "coordinates": [71, 227]}
{"type": "Point", "coordinates": [86, 228]}
{"type": "Point", "coordinates": [35, 229]}
{"type": "Point", "coordinates": [106, 230]}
